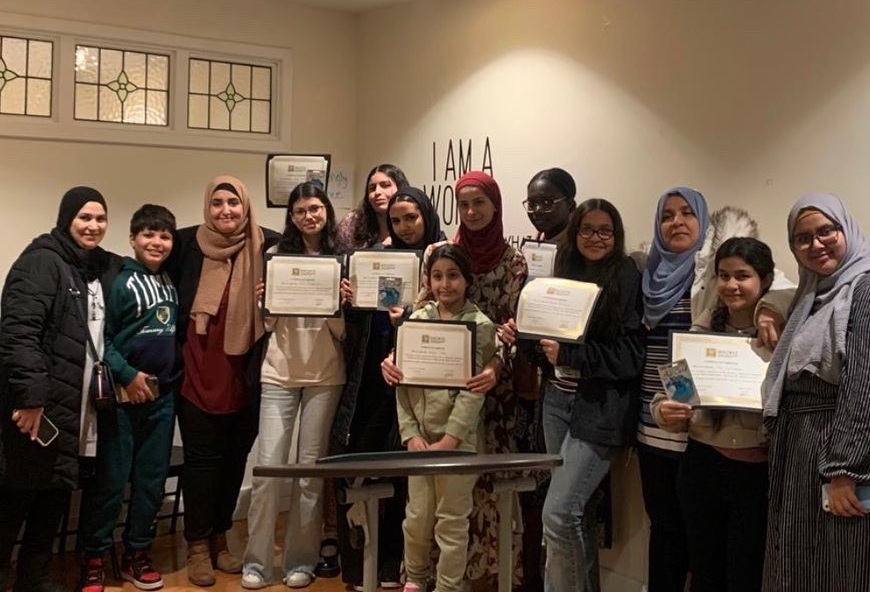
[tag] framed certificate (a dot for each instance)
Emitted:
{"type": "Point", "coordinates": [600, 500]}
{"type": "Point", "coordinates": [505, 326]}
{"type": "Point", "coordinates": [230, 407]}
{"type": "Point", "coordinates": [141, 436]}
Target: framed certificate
{"type": "Point", "coordinates": [302, 285]}
{"type": "Point", "coordinates": [540, 257]}
{"type": "Point", "coordinates": [383, 278]}
{"type": "Point", "coordinates": [555, 308]}
{"type": "Point", "coordinates": [727, 369]}
{"type": "Point", "coordinates": [434, 353]}
{"type": "Point", "coordinates": [286, 171]}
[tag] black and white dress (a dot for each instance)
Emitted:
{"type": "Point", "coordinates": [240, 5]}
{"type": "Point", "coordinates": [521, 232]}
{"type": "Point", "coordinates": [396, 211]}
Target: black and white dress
{"type": "Point", "coordinates": [823, 430]}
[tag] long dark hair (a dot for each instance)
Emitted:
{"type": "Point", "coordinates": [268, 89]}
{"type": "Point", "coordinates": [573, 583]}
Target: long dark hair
{"type": "Point", "coordinates": [757, 255]}
{"type": "Point", "coordinates": [366, 227]}
{"type": "Point", "coordinates": [292, 241]}
{"type": "Point", "coordinates": [571, 264]}
{"type": "Point", "coordinates": [456, 254]}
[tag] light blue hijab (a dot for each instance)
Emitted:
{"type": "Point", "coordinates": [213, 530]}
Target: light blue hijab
{"type": "Point", "coordinates": [814, 339]}
{"type": "Point", "coordinates": [668, 275]}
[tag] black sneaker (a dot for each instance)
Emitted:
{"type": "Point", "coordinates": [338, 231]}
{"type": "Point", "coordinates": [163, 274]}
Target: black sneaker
{"type": "Point", "coordinates": [92, 575]}
{"type": "Point", "coordinates": [328, 566]}
{"type": "Point", "coordinates": [136, 568]}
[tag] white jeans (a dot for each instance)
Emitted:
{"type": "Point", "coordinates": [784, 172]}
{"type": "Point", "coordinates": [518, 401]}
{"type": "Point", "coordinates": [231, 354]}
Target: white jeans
{"type": "Point", "coordinates": [278, 410]}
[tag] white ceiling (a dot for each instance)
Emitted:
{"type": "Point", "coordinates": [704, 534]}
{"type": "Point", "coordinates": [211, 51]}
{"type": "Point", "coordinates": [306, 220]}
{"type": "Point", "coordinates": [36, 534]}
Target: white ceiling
{"type": "Point", "coordinates": [351, 5]}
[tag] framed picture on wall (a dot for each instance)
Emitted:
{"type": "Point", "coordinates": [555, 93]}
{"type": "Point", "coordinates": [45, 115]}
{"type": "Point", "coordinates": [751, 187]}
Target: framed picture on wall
{"type": "Point", "coordinates": [286, 171]}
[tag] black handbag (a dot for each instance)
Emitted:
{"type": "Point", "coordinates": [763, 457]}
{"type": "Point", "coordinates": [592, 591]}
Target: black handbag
{"type": "Point", "coordinates": [101, 390]}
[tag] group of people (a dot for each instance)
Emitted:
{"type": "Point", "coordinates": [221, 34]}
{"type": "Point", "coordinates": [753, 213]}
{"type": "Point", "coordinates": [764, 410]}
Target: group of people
{"type": "Point", "coordinates": [734, 498]}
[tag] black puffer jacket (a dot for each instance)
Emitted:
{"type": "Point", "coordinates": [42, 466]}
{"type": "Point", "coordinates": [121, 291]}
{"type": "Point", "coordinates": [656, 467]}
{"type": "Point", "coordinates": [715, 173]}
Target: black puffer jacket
{"type": "Point", "coordinates": [42, 357]}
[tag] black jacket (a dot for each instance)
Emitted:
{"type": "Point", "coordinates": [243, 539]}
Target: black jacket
{"type": "Point", "coordinates": [43, 336]}
{"type": "Point", "coordinates": [608, 394]}
{"type": "Point", "coordinates": [184, 267]}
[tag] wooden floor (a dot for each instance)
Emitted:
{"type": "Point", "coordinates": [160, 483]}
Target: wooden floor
{"type": "Point", "coordinates": [169, 556]}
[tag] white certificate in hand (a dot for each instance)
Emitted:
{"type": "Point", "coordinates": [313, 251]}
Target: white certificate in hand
{"type": "Point", "coordinates": [366, 268]}
{"type": "Point", "coordinates": [727, 369]}
{"type": "Point", "coordinates": [435, 353]}
{"type": "Point", "coordinates": [302, 285]}
{"type": "Point", "coordinates": [540, 257]}
{"type": "Point", "coordinates": [555, 308]}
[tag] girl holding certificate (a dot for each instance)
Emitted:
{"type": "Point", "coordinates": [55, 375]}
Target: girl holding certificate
{"type": "Point", "coordinates": [366, 416]}
{"type": "Point", "coordinates": [498, 273]}
{"type": "Point", "coordinates": [722, 479]}
{"type": "Point", "coordinates": [817, 408]}
{"type": "Point", "coordinates": [592, 394]}
{"type": "Point", "coordinates": [302, 375]}
{"type": "Point", "coordinates": [442, 419]}
{"type": "Point", "coordinates": [678, 285]}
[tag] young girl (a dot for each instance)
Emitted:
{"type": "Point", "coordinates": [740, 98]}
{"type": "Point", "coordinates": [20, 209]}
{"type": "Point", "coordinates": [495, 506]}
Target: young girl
{"type": "Point", "coordinates": [592, 395]}
{"type": "Point", "coordinates": [366, 226]}
{"type": "Point", "coordinates": [442, 419]}
{"type": "Point", "coordinates": [303, 372]}
{"type": "Point", "coordinates": [722, 479]}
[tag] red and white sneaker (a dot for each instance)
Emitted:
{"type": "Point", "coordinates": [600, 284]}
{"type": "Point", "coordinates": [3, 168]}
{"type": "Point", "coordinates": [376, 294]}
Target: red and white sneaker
{"type": "Point", "coordinates": [136, 567]}
{"type": "Point", "coordinates": [92, 575]}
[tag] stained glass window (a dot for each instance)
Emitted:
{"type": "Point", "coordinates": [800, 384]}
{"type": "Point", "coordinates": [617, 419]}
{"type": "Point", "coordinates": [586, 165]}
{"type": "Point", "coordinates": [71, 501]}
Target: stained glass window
{"type": "Point", "coordinates": [229, 96]}
{"type": "Point", "coordinates": [25, 76]}
{"type": "Point", "coordinates": [121, 86]}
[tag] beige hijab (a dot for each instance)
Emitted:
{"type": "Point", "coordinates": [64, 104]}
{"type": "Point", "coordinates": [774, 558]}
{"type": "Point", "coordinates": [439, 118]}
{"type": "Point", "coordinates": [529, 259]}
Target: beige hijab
{"type": "Point", "coordinates": [244, 324]}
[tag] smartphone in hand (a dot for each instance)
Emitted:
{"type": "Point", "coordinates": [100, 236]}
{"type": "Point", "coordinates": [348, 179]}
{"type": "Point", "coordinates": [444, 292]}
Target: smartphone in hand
{"type": "Point", "coordinates": [47, 431]}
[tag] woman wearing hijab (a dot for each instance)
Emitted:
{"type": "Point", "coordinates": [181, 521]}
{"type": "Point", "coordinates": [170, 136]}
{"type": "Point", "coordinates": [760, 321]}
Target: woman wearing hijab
{"type": "Point", "coordinates": [215, 270]}
{"type": "Point", "coordinates": [366, 418]}
{"type": "Point", "coordinates": [499, 271]}
{"type": "Point", "coordinates": [52, 300]}
{"type": "Point", "coordinates": [818, 411]}
{"type": "Point", "coordinates": [678, 286]}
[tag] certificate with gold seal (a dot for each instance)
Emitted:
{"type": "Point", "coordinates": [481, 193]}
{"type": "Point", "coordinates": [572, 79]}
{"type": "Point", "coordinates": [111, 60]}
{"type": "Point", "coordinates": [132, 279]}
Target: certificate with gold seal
{"type": "Point", "coordinates": [434, 353]}
{"type": "Point", "coordinates": [369, 270]}
{"type": "Point", "coordinates": [540, 257]}
{"type": "Point", "coordinates": [727, 368]}
{"type": "Point", "coordinates": [555, 308]}
{"type": "Point", "coordinates": [302, 285]}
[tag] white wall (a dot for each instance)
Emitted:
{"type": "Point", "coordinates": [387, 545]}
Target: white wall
{"type": "Point", "coordinates": [323, 117]}
{"type": "Point", "coordinates": [754, 103]}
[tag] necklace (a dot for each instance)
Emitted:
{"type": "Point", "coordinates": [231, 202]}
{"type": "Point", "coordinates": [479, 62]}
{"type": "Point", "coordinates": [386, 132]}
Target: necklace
{"type": "Point", "coordinates": [96, 301]}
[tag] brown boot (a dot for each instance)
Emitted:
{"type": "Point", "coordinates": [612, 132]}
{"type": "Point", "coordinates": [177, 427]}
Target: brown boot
{"type": "Point", "coordinates": [199, 569]}
{"type": "Point", "coordinates": [221, 557]}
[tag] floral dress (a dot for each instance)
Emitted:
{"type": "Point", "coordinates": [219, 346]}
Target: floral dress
{"type": "Point", "coordinates": [496, 293]}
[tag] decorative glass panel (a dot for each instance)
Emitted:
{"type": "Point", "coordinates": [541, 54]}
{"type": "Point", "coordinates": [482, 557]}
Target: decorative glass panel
{"type": "Point", "coordinates": [25, 76]}
{"type": "Point", "coordinates": [121, 86]}
{"type": "Point", "coordinates": [229, 96]}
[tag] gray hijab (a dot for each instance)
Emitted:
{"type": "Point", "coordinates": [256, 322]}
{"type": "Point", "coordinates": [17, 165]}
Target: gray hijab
{"type": "Point", "coordinates": [814, 338]}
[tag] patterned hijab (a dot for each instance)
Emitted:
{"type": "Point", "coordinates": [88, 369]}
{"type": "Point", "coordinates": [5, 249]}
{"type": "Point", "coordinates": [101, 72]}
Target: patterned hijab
{"type": "Point", "coordinates": [668, 275]}
{"type": "Point", "coordinates": [814, 338]}
{"type": "Point", "coordinates": [431, 222]}
{"type": "Point", "coordinates": [236, 259]}
{"type": "Point", "coordinates": [485, 247]}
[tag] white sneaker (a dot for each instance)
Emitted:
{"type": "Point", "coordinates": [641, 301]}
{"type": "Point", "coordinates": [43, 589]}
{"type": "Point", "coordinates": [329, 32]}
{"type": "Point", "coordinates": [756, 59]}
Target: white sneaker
{"type": "Point", "coordinates": [251, 580]}
{"type": "Point", "coordinates": [298, 579]}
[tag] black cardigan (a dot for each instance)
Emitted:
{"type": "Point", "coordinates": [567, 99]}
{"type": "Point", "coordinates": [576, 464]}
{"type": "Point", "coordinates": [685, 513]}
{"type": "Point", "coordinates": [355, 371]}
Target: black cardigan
{"type": "Point", "coordinates": [608, 393]}
{"type": "Point", "coordinates": [42, 355]}
{"type": "Point", "coordinates": [184, 267]}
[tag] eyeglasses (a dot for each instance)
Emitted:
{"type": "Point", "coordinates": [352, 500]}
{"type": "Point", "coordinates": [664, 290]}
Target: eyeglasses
{"type": "Point", "coordinates": [604, 233]}
{"type": "Point", "coordinates": [299, 213]}
{"type": "Point", "coordinates": [543, 206]}
{"type": "Point", "coordinates": [826, 235]}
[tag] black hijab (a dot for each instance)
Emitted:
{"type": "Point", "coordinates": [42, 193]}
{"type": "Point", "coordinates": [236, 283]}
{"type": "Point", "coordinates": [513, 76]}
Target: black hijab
{"type": "Point", "coordinates": [90, 262]}
{"type": "Point", "coordinates": [431, 222]}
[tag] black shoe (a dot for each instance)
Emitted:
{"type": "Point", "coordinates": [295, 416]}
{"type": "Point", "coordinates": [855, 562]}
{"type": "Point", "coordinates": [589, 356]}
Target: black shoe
{"type": "Point", "coordinates": [328, 566]}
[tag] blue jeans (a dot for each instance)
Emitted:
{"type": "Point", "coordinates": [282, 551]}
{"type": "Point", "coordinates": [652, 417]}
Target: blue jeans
{"type": "Point", "coordinates": [134, 444]}
{"type": "Point", "coordinates": [584, 465]}
{"type": "Point", "coordinates": [279, 408]}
